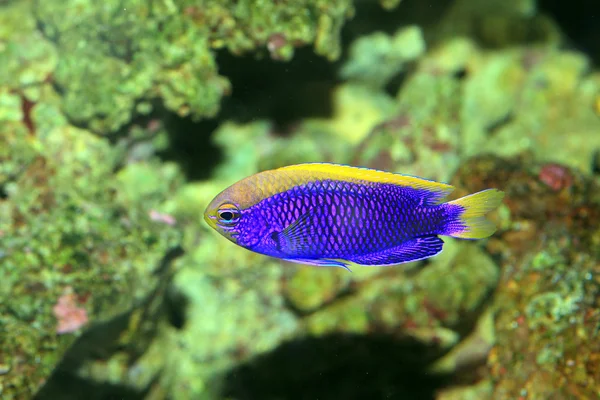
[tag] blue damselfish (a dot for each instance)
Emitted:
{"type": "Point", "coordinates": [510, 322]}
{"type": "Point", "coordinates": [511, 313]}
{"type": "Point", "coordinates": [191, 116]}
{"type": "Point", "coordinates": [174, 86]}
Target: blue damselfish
{"type": "Point", "coordinates": [333, 215]}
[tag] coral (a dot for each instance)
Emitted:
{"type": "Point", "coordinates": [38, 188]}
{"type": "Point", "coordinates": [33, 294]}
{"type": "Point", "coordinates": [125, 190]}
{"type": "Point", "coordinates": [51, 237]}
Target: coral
{"type": "Point", "coordinates": [375, 59]}
{"type": "Point", "coordinates": [16, 151]}
{"type": "Point", "coordinates": [555, 176]}
{"type": "Point", "coordinates": [233, 301]}
{"type": "Point", "coordinates": [546, 303]}
{"type": "Point", "coordinates": [549, 109]}
{"type": "Point", "coordinates": [310, 288]}
{"type": "Point", "coordinates": [504, 102]}
{"type": "Point", "coordinates": [69, 313]}
{"type": "Point", "coordinates": [88, 210]}
{"type": "Point", "coordinates": [138, 52]}
{"type": "Point", "coordinates": [423, 307]}
{"type": "Point", "coordinates": [26, 57]}
{"type": "Point", "coordinates": [482, 390]}
{"type": "Point", "coordinates": [497, 23]}
{"type": "Point", "coordinates": [68, 222]}
{"type": "Point", "coordinates": [421, 135]}
{"type": "Point", "coordinates": [258, 146]}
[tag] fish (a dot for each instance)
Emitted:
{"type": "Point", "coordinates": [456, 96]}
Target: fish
{"type": "Point", "coordinates": [335, 215]}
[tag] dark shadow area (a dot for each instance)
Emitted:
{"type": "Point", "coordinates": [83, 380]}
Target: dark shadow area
{"type": "Point", "coordinates": [97, 343]}
{"type": "Point", "coordinates": [67, 386]}
{"type": "Point", "coordinates": [284, 92]}
{"type": "Point", "coordinates": [394, 85]}
{"type": "Point", "coordinates": [339, 367]}
{"type": "Point", "coordinates": [495, 126]}
{"type": "Point", "coordinates": [580, 21]}
{"type": "Point", "coordinates": [3, 194]}
{"type": "Point", "coordinates": [371, 17]}
{"type": "Point", "coordinates": [175, 306]}
{"type": "Point", "coordinates": [262, 89]}
{"type": "Point", "coordinates": [596, 162]}
{"type": "Point", "coordinates": [103, 340]}
{"type": "Point", "coordinates": [191, 145]}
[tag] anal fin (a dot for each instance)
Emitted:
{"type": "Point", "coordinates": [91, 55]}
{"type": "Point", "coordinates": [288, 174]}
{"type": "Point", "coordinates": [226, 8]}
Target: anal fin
{"type": "Point", "coordinates": [412, 250]}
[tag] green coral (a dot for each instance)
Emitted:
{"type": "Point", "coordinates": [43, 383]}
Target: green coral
{"type": "Point", "coordinates": [424, 306]}
{"type": "Point", "coordinates": [508, 102]}
{"type": "Point", "coordinates": [553, 311]}
{"type": "Point", "coordinates": [556, 327]}
{"type": "Point", "coordinates": [16, 150]}
{"type": "Point", "coordinates": [131, 53]}
{"type": "Point", "coordinates": [116, 58]}
{"type": "Point", "coordinates": [310, 288]}
{"type": "Point", "coordinates": [233, 310]}
{"type": "Point", "coordinates": [26, 57]}
{"type": "Point", "coordinates": [470, 277]}
{"type": "Point", "coordinates": [497, 23]}
{"type": "Point", "coordinates": [348, 316]}
{"type": "Point", "coordinates": [233, 301]}
{"type": "Point", "coordinates": [421, 136]}
{"type": "Point", "coordinates": [377, 58]}
{"type": "Point", "coordinates": [65, 223]}
{"type": "Point", "coordinates": [95, 215]}
{"type": "Point", "coordinates": [561, 94]}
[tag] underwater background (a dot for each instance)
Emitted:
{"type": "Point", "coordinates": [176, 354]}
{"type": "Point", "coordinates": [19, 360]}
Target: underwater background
{"type": "Point", "coordinates": [121, 119]}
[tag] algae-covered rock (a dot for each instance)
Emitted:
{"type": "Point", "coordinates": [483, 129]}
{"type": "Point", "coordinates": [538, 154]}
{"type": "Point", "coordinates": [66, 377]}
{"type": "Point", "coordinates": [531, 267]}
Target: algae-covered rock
{"type": "Point", "coordinates": [16, 151]}
{"type": "Point", "coordinates": [310, 288]}
{"type": "Point", "coordinates": [547, 314]}
{"type": "Point", "coordinates": [75, 251]}
{"type": "Point", "coordinates": [26, 57]}
{"type": "Point", "coordinates": [88, 210]}
{"type": "Point", "coordinates": [114, 59]}
{"type": "Point", "coordinates": [233, 308]}
{"type": "Point", "coordinates": [462, 101]}
{"type": "Point", "coordinates": [551, 112]}
{"type": "Point", "coordinates": [375, 59]}
{"type": "Point", "coordinates": [421, 306]}
{"type": "Point", "coordinates": [421, 136]}
{"type": "Point", "coordinates": [233, 317]}
{"type": "Point", "coordinates": [257, 146]}
{"type": "Point", "coordinates": [498, 23]}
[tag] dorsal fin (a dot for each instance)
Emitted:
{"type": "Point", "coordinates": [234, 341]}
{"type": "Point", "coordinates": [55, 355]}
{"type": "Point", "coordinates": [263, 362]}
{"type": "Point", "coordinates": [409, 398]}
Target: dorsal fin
{"type": "Point", "coordinates": [352, 174]}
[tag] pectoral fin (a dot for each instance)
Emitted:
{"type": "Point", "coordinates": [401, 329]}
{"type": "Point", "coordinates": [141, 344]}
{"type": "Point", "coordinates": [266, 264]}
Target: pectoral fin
{"type": "Point", "coordinates": [295, 239]}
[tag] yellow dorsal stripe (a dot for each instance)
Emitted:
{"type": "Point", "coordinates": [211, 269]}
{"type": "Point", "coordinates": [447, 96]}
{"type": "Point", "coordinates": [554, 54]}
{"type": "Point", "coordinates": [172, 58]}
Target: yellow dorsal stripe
{"type": "Point", "coordinates": [348, 173]}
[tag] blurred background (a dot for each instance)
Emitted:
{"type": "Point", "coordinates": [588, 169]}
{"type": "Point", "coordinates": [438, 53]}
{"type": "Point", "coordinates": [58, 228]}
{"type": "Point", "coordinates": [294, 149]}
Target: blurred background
{"type": "Point", "coordinates": [121, 119]}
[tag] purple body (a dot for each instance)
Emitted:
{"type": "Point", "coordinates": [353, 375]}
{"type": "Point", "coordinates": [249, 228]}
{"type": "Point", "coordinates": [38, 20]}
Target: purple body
{"type": "Point", "coordinates": [369, 224]}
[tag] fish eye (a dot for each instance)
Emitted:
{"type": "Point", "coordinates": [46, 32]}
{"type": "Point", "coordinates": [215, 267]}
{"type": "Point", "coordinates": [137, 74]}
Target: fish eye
{"type": "Point", "coordinates": [228, 214]}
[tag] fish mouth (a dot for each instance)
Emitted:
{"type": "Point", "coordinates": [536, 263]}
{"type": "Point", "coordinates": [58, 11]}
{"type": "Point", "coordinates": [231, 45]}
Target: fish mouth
{"type": "Point", "coordinates": [210, 220]}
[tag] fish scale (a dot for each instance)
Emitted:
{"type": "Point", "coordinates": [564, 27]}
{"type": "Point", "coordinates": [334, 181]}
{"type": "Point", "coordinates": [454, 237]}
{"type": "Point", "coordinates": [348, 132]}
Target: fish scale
{"type": "Point", "coordinates": [339, 213]}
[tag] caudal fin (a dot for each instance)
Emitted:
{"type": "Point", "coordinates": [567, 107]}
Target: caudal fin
{"type": "Point", "coordinates": [471, 222]}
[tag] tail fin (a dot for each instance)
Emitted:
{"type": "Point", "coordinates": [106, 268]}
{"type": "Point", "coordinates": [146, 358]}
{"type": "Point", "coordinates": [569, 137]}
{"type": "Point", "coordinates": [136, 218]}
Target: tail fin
{"type": "Point", "coordinates": [471, 219]}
